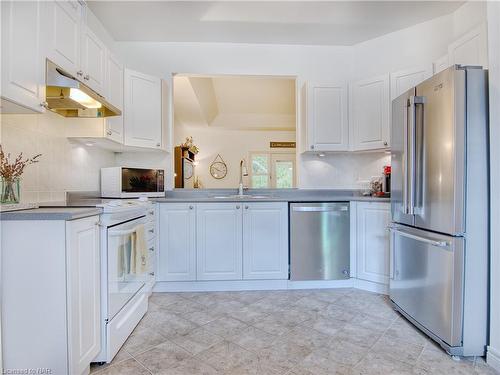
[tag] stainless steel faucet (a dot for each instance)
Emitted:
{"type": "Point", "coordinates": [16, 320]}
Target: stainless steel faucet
{"type": "Point", "coordinates": [243, 172]}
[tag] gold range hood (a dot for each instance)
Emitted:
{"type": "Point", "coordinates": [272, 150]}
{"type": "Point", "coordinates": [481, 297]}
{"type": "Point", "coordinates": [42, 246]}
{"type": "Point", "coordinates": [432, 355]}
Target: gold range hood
{"type": "Point", "coordinates": [69, 97]}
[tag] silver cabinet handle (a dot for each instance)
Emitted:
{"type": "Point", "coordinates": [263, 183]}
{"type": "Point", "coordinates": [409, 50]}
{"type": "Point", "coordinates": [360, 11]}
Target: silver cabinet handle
{"type": "Point", "coordinates": [87, 77]}
{"type": "Point", "coordinates": [429, 241]}
{"type": "Point", "coordinates": [151, 212]}
{"type": "Point", "coordinates": [79, 73]}
{"type": "Point", "coordinates": [151, 273]}
{"type": "Point", "coordinates": [246, 207]}
{"type": "Point", "coordinates": [151, 249]}
{"type": "Point", "coordinates": [385, 143]}
{"type": "Point", "coordinates": [312, 147]}
{"type": "Point", "coordinates": [237, 207]}
{"type": "Point", "coordinates": [151, 231]}
{"type": "Point", "coordinates": [158, 145]}
{"type": "Point", "coordinates": [44, 104]}
{"type": "Point", "coordinates": [191, 207]}
{"type": "Point", "coordinates": [109, 132]}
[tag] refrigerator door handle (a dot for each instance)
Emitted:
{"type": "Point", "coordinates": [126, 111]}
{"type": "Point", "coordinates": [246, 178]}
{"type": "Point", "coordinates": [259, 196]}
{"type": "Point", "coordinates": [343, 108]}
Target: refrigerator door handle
{"type": "Point", "coordinates": [412, 140]}
{"type": "Point", "coordinates": [429, 241]}
{"type": "Point", "coordinates": [405, 161]}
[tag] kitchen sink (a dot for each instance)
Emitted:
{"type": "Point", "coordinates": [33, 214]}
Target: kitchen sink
{"type": "Point", "coordinates": [242, 197]}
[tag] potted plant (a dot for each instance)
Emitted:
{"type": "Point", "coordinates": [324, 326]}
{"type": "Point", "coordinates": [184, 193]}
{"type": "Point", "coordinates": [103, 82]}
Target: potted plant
{"type": "Point", "coordinates": [10, 172]}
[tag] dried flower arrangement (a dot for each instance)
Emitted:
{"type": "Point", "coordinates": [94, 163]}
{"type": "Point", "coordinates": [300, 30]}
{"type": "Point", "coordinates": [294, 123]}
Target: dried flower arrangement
{"type": "Point", "coordinates": [189, 144]}
{"type": "Point", "coordinates": [11, 171]}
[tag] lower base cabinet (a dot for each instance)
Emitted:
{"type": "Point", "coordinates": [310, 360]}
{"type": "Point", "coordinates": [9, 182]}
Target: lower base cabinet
{"type": "Point", "coordinates": [223, 241]}
{"type": "Point", "coordinates": [373, 241]}
{"type": "Point", "coordinates": [51, 294]}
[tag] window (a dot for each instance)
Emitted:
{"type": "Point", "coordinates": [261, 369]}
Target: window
{"type": "Point", "coordinates": [260, 170]}
{"type": "Point", "coordinates": [272, 170]}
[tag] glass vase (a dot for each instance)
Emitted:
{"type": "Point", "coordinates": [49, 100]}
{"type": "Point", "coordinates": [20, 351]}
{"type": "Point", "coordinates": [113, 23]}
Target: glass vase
{"type": "Point", "coordinates": [10, 192]}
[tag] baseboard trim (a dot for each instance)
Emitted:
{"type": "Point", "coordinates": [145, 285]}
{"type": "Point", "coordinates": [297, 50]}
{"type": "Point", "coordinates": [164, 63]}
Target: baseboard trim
{"type": "Point", "coordinates": [371, 286]}
{"type": "Point", "coordinates": [235, 285]}
{"type": "Point", "coordinates": [493, 358]}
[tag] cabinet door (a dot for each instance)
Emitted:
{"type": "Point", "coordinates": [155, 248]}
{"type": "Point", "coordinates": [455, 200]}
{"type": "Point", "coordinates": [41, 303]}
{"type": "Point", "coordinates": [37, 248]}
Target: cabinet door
{"type": "Point", "coordinates": [93, 61]}
{"type": "Point", "coordinates": [219, 241]}
{"type": "Point", "coordinates": [23, 74]}
{"type": "Point", "coordinates": [404, 80]}
{"type": "Point", "coordinates": [369, 113]}
{"type": "Point", "coordinates": [142, 110]}
{"type": "Point", "coordinates": [177, 242]}
{"type": "Point", "coordinates": [265, 241]}
{"type": "Point", "coordinates": [64, 36]}
{"type": "Point", "coordinates": [83, 292]}
{"type": "Point", "coordinates": [114, 92]}
{"type": "Point", "coordinates": [470, 49]}
{"type": "Point", "coordinates": [441, 64]}
{"type": "Point", "coordinates": [328, 128]}
{"type": "Point", "coordinates": [372, 240]}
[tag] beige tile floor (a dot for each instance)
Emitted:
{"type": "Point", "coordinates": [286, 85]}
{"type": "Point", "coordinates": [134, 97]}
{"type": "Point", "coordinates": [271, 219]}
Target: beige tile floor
{"type": "Point", "coordinates": [320, 332]}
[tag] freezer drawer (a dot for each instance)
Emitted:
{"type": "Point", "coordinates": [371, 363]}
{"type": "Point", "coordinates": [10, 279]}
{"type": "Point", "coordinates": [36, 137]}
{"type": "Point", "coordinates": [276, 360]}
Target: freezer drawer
{"type": "Point", "coordinates": [319, 241]}
{"type": "Point", "coordinates": [427, 280]}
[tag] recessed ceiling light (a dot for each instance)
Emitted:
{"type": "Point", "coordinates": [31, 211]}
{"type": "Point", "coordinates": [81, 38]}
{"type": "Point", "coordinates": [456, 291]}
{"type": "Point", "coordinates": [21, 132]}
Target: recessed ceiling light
{"type": "Point", "coordinates": [321, 155]}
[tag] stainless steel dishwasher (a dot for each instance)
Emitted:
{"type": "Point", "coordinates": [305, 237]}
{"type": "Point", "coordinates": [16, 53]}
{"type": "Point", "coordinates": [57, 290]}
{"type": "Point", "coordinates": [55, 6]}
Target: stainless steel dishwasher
{"type": "Point", "coordinates": [319, 241]}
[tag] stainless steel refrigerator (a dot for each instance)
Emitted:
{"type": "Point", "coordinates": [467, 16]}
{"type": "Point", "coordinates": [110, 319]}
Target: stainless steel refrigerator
{"type": "Point", "coordinates": [439, 206]}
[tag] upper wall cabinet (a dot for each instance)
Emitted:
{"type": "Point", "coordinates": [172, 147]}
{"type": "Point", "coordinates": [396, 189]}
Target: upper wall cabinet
{"type": "Point", "coordinates": [404, 80]}
{"type": "Point", "coordinates": [143, 110]}
{"type": "Point", "coordinates": [63, 23]}
{"type": "Point", "coordinates": [470, 49]}
{"type": "Point", "coordinates": [327, 123]}
{"type": "Point", "coordinates": [23, 77]}
{"type": "Point", "coordinates": [369, 113]}
{"type": "Point", "coordinates": [93, 61]}
{"type": "Point", "coordinates": [114, 92]}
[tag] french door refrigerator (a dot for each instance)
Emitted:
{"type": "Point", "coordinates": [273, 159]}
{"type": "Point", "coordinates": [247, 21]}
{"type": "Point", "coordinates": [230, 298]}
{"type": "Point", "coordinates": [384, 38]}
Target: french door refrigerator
{"type": "Point", "coordinates": [439, 206]}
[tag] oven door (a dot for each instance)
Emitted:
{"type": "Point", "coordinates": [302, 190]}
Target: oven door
{"type": "Point", "coordinates": [128, 269]}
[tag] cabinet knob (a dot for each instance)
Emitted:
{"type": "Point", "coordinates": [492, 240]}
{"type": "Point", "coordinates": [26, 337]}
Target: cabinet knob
{"type": "Point", "coordinates": [158, 144]}
{"type": "Point", "coordinates": [191, 207]}
{"type": "Point", "coordinates": [312, 147]}
{"type": "Point", "coordinates": [237, 207]}
{"type": "Point", "coordinates": [151, 212]}
{"type": "Point", "coordinates": [385, 143]}
{"type": "Point", "coordinates": [87, 77]}
{"type": "Point", "coordinates": [151, 273]}
{"type": "Point", "coordinates": [79, 73]}
{"type": "Point", "coordinates": [151, 231]}
{"type": "Point", "coordinates": [151, 249]}
{"type": "Point", "coordinates": [44, 104]}
{"type": "Point", "coordinates": [246, 207]}
{"type": "Point", "coordinates": [109, 132]}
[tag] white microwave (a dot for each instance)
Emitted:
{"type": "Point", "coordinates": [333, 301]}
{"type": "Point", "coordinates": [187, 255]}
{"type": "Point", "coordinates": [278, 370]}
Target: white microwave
{"type": "Point", "coordinates": [125, 182]}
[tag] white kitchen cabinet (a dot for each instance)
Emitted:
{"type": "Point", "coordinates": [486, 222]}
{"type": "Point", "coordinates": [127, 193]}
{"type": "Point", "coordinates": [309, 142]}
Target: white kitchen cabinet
{"type": "Point", "coordinates": [142, 110]}
{"type": "Point", "coordinates": [23, 74]}
{"type": "Point", "coordinates": [471, 48]}
{"type": "Point", "coordinates": [369, 113]}
{"type": "Point", "coordinates": [93, 61]}
{"type": "Point", "coordinates": [54, 323]}
{"type": "Point", "coordinates": [177, 242]}
{"type": "Point", "coordinates": [219, 241]}
{"type": "Point", "coordinates": [62, 22]}
{"type": "Point", "coordinates": [372, 241]}
{"type": "Point", "coordinates": [327, 122]}
{"type": "Point", "coordinates": [114, 92]}
{"type": "Point", "coordinates": [441, 64]}
{"type": "Point", "coordinates": [265, 240]}
{"type": "Point", "coordinates": [404, 80]}
{"type": "Point", "coordinates": [83, 292]}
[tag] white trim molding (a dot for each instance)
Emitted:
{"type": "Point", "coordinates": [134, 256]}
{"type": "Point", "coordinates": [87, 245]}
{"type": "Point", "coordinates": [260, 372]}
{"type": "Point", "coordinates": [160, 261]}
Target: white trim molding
{"type": "Point", "coordinates": [493, 356]}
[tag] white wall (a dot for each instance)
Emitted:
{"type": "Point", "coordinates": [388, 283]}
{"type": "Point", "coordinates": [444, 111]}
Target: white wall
{"type": "Point", "coordinates": [232, 145]}
{"type": "Point", "coordinates": [63, 166]}
{"type": "Point", "coordinates": [414, 46]}
{"type": "Point", "coordinates": [494, 81]}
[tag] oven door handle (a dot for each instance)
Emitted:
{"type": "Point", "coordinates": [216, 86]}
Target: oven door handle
{"type": "Point", "coordinates": [123, 232]}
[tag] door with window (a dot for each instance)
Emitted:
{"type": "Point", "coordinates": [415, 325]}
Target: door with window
{"type": "Point", "coordinates": [270, 170]}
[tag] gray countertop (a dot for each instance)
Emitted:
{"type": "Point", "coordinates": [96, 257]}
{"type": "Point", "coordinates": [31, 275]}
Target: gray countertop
{"type": "Point", "coordinates": [51, 213]}
{"type": "Point", "coordinates": [268, 195]}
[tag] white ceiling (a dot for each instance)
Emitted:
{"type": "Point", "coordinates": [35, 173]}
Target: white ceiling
{"type": "Point", "coordinates": [268, 22]}
{"type": "Point", "coordinates": [235, 102]}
